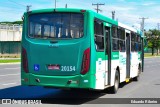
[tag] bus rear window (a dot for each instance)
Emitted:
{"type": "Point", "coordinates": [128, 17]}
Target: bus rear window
{"type": "Point", "coordinates": [56, 25]}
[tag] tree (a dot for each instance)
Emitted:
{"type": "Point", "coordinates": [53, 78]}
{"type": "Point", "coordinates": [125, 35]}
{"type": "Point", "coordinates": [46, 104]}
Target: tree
{"type": "Point", "coordinates": [153, 38]}
{"type": "Point", "coordinates": [15, 22]}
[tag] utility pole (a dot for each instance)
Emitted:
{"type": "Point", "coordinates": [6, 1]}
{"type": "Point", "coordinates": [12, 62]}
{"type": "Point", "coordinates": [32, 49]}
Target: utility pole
{"type": "Point", "coordinates": [142, 24]}
{"type": "Point", "coordinates": [66, 6]}
{"type": "Point", "coordinates": [117, 19]}
{"type": "Point", "coordinates": [98, 4]}
{"type": "Point", "coordinates": [28, 8]}
{"type": "Point", "coordinates": [142, 29]}
{"type": "Point", "coordinates": [55, 3]}
{"type": "Point", "coordinates": [158, 25]}
{"type": "Point", "coordinates": [113, 15]}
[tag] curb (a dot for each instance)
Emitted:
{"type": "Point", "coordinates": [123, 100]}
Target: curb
{"type": "Point", "coordinates": [153, 57]}
{"type": "Point", "coordinates": [9, 63]}
{"type": "Point", "coordinates": [9, 58]}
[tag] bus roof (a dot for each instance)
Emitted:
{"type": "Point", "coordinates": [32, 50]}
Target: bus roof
{"type": "Point", "coordinates": [118, 23]}
{"type": "Point", "coordinates": [105, 18]}
{"type": "Point", "coordinates": [127, 27]}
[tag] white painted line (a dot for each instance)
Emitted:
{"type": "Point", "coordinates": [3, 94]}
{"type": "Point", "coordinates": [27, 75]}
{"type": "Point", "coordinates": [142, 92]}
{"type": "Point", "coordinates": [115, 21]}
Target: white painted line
{"type": "Point", "coordinates": [12, 68]}
{"type": "Point", "coordinates": [9, 68]}
{"type": "Point", "coordinates": [9, 75]}
{"type": "Point", "coordinates": [10, 83]}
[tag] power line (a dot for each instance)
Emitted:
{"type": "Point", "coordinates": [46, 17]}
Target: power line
{"type": "Point", "coordinates": [4, 11]}
{"type": "Point", "coordinates": [13, 8]}
{"type": "Point", "coordinates": [27, 6]}
{"type": "Point", "coordinates": [8, 7]}
{"type": "Point", "coordinates": [98, 4]}
{"type": "Point", "coordinates": [16, 3]}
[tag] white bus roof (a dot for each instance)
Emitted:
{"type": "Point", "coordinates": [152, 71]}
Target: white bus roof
{"type": "Point", "coordinates": [127, 27]}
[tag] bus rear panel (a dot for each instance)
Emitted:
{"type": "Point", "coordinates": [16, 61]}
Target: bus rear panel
{"type": "Point", "coordinates": [56, 49]}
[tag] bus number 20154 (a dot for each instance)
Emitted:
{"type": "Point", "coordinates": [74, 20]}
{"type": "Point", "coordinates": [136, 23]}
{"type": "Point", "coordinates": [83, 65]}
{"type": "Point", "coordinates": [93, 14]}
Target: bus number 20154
{"type": "Point", "coordinates": [68, 68]}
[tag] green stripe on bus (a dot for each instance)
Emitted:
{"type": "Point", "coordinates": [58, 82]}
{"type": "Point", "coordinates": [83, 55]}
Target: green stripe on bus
{"type": "Point", "coordinates": [115, 55]}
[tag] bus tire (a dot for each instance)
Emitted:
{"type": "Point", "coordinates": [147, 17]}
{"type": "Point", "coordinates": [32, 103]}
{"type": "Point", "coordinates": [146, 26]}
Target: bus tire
{"type": "Point", "coordinates": [114, 89]}
{"type": "Point", "coordinates": [138, 76]}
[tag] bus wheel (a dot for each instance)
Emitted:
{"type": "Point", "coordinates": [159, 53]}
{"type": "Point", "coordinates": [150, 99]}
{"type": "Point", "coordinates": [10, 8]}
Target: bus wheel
{"type": "Point", "coordinates": [116, 83]}
{"type": "Point", "coordinates": [138, 76]}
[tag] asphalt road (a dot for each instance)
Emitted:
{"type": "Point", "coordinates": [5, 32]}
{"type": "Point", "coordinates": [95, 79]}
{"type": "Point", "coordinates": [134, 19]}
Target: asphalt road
{"type": "Point", "coordinates": [147, 87]}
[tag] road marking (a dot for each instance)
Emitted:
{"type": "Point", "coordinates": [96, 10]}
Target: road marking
{"type": "Point", "coordinates": [10, 83]}
{"type": "Point", "coordinates": [9, 75]}
{"type": "Point", "coordinates": [152, 65]}
{"type": "Point", "coordinates": [9, 68]}
{"type": "Point", "coordinates": [152, 61]}
{"type": "Point", "coordinates": [12, 68]}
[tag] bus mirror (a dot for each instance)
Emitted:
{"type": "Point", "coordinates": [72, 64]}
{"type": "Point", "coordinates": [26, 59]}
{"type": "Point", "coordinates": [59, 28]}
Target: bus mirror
{"type": "Point", "coordinates": [22, 18]}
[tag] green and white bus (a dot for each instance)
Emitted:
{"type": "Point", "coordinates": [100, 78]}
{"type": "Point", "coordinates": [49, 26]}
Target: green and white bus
{"type": "Point", "coordinates": [76, 48]}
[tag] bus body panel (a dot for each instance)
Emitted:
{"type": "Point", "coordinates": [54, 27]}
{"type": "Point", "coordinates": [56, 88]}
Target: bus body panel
{"type": "Point", "coordinates": [134, 64]}
{"type": "Point", "coordinates": [100, 70]}
{"type": "Point", "coordinates": [122, 66]}
{"type": "Point", "coordinates": [114, 65]}
{"type": "Point", "coordinates": [68, 55]}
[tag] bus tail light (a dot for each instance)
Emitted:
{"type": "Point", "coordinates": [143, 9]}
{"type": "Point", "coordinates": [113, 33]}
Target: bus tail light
{"type": "Point", "coordinates": [85, 61]}
{"type": "Point", "coordinates": [24, 60]}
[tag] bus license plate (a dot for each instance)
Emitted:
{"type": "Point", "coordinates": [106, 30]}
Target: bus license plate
{"type": "Point", "coordinates": [53, 67]}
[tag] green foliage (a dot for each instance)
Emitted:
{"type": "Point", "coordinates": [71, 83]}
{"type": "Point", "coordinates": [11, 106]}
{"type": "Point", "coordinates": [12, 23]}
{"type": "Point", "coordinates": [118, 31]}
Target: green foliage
{"type": "Point", "coordinates": [9, 60]}
{"type": "Point", "coordinates": [153, 39]}
{"type": "Point", "coordinates": [150, 45]}
{"type": "Point", "coordinates": [15, 22]}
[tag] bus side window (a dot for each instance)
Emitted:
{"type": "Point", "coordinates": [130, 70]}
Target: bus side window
{"type": "Point", "coordinates": [121, 36]}
{"type": "Point", "coordinates": [115, 46]}
{"type": "Point", "coordinates": [115, 40]}
{"type": "Point", "coordinates": [136, 43]}
{"type": "Point", "coordinates": [133, 44]}
{"type": "Point", "coordinates": [98, 35]}
{"type": "Point", "coordinates": [99, 42]}
{"type": "Point", "coordinates": [139, 43]}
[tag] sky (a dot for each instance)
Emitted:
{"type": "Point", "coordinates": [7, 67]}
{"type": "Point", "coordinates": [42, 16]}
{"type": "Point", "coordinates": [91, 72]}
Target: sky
{"type": "Point", "coordinates": [128, 12]}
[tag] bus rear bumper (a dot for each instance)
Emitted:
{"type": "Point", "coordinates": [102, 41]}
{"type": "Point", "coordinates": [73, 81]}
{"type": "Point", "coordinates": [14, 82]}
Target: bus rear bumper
{"type": "Point", "coordinates": [76, 81]}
